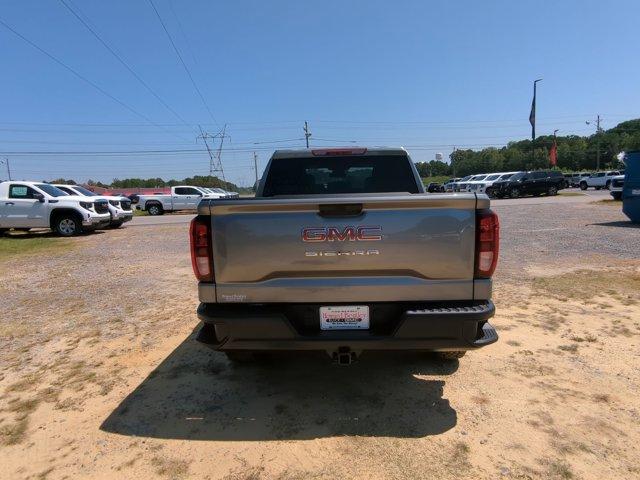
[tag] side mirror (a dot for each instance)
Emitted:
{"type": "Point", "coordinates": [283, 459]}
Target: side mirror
{"type": "Point", "coordinates": [39, 197]}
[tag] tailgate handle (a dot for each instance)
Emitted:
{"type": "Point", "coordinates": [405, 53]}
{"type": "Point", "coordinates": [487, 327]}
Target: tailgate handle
{"type": "Point", "coordinates": [340, 210]}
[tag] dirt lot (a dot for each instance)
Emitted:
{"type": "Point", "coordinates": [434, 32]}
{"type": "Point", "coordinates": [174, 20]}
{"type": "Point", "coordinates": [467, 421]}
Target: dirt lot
{"type": "Point", "coordinates": [101, 377]}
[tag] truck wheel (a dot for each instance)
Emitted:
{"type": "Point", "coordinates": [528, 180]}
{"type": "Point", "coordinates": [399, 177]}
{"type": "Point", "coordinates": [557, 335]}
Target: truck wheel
{"type": "Point", "coordinates": [240, 357]}
{"type": "Point", "coordinates": [451, 355]}
{"type": "Point", "coordinates": [616, 195]}
{"type": "Point", "coordinates": [514, 193]}
{"type": "Point", "coordinates": [155, 209]}
{"type": "Point", "coordinates": [117, 224]}
{"type": "Point", "coordinates": [552, 191]}
{"type": "Point", "coordinates": [583, 185]}
{"type": "Point", "coordinates": [598, 188]}
{"type": "Point", "coordinates": [67, 225]}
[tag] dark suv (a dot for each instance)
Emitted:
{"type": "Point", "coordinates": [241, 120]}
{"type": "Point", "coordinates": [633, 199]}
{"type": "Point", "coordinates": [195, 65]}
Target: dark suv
{"type": "Point", "coordinates": [536, 183]}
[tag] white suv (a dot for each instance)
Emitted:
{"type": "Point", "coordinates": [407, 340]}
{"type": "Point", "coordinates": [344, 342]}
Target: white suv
{"type": "Point", "coordinates": [26, 205]}
{"type": "Point", "coordinates": [599, 180]}
{"type": "Point", "coordinates": [119, 207]}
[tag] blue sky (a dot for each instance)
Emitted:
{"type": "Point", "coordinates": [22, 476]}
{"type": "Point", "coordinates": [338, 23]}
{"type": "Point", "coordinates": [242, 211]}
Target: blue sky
{"type": "Point", "coordinates": [427, 75]}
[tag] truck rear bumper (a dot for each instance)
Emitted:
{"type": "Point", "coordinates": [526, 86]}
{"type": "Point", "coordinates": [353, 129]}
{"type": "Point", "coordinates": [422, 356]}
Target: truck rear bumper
{"type": "Point", "coordinates": [432, 327]}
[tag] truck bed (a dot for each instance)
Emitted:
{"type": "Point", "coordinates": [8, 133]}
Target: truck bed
{"type": "Point", "coordinates": [344, 248]}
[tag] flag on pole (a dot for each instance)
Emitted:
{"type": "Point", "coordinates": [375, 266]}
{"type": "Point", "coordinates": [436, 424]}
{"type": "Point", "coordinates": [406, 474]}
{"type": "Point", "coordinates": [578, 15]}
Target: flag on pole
{"type": "Point", "coordinates": [532, 115]}
{"type": "Point", "coordinates": [553, 154]}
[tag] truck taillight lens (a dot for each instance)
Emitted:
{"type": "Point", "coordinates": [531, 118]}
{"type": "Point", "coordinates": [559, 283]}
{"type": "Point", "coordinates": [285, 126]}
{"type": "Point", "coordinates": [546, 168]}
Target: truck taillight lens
{"type": "Point", "coordinates": [487, 243]}
{"type": "Point", "coordinates": [201, 256]}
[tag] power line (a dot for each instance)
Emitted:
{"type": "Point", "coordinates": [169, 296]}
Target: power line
{"type": "Point", "coordinates": [193, 82]}
{"type": "Point", "coordinates": [78, 75]}
{"type": "Point", "coordinates": [125, 64]}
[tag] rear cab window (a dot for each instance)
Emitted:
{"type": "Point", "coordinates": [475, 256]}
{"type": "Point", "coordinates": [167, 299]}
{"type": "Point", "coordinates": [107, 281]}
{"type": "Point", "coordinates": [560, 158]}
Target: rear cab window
{"type": "Point", "coordinates": [340, 174]}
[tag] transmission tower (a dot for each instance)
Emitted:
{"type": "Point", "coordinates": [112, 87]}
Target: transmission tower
{"type": "Point", "coordinates": [215, 158]}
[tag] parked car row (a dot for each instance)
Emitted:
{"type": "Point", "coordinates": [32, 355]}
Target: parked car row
{"type": "Point", "coordinates": [66, 209]}
{"type": "Point", "coordinates": [181, 198]}
{"type": "Point", "coordinates": [510, 184]}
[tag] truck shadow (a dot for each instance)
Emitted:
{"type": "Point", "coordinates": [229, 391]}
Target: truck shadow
{"type": "Point", "coordinates": [622, 224]}
{"type": "Point", "coordinates": [195, 394]}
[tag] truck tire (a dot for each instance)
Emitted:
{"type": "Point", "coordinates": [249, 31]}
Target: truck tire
{"type": "Point", "coordinates": [608, 185]}
{"type": "Point", "coordinates": [67, 225]}
{"type": "Point", "coordinates": [451, 355]}
{"type": "Point", "coordinates": [514, 193]}
{"type": "Point", "coordinates": [117, 224]}
{"type": "Point", "coordinates": [598, 188]}
{"type": "Point", "coordinates": [155, 209]}
{"type": "Point", "coordinates": [552, 191]}
{"type": "Point", "coordinates": [583, 185]}
{"type": "Point", "coordinates": [616, 195]}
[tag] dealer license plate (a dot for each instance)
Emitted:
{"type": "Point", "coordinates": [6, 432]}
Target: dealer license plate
{"type": "Point", "coordinates": [348, 317]}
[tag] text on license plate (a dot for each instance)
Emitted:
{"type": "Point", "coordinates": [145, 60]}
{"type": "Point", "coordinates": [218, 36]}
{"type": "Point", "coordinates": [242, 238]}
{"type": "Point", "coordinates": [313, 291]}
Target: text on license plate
{"type": "Point", "coordinates": [347, 317]}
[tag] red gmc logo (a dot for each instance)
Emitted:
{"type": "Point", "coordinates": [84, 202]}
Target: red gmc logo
{"type": "Point", "coordinates": [336, 234]}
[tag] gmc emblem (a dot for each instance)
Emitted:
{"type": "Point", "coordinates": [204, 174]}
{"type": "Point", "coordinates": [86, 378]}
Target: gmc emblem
{"type": "Point", "coordinates": [335, 234]}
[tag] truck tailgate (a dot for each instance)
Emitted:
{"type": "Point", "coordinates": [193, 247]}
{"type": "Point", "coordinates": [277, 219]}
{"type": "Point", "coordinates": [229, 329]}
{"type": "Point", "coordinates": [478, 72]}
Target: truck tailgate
{"type": "Point", "coordinates": [349, 248]}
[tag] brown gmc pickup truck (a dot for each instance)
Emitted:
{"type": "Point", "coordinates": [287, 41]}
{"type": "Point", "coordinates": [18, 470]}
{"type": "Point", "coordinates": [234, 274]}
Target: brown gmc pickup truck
{"type": "Point", "coordinates": [342, 251]}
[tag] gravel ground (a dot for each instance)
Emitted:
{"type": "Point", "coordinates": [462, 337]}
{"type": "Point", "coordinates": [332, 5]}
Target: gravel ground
{"type": "Point", "coordinates": [564, 234]}
{"type": "Point", "coordinates": [100, 376]}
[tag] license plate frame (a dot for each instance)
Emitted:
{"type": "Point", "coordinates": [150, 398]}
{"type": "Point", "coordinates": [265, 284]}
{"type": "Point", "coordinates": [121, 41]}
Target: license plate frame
{"type": "Point", "coordinates": [344, 317]}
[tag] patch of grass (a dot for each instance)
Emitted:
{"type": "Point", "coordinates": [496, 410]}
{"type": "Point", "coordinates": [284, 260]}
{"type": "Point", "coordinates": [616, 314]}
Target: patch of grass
{"type": "Point", "coordinates": [460, 456]}
{"type": "Point", "coordinates": [30, 244]}
{"type": "Point", "coordinates": [28, 382]}
{"type": "Point", "coordinates": [140, 213]}
{"type": "Point", "coordinates": [14, 433]}
{"type": "Point", "coordinates": [559, 469]}
{"type": "Point", "coordinates": [573, 348]}
{"type": "Point", "coordinates": [601, 397]}
{"type": "Point", "coordinates": [586, 284]}
{"type": "Point", "coordinates": [23, 407]}
{"type": "Point", "coordinates": [608, 202]}
{"type": "Point", "coordinates": [170, 467]}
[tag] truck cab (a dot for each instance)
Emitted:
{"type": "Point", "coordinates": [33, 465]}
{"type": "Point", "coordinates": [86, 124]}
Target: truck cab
{"type": "Point", "coordinates": [26, 205]}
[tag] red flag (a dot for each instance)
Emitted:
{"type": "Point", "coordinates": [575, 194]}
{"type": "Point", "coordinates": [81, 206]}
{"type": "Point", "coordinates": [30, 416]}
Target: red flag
{"type": "Point", "coordinates": [553, 154]}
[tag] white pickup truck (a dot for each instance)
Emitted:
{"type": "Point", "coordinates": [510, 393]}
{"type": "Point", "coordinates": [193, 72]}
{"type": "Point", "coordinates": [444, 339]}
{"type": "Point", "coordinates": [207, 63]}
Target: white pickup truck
{"type": "Point", "coordinates": [119, 207]}
{"type": "Point", "coordinates": [26, 205]}
{"type": "Point", "coordinates": [182, 197]}
{"type": "Point", "coordinates": [599, 180]}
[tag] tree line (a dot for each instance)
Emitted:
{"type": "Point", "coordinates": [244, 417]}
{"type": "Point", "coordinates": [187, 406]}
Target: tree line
{"type": "Point", "coordinates": [575, 153]}
{"type": "Point", "coordinates": [197, 181]}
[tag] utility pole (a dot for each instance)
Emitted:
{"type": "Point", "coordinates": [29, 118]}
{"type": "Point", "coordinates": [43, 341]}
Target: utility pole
{"type": "Point", "coordinates": [598, 131]}
{"type": "Point", "coordinates": [307, 133]}
{"type": "Point", "coordinates": [215, 161]}
{"type": "Point", "coordinates": [255, 167]}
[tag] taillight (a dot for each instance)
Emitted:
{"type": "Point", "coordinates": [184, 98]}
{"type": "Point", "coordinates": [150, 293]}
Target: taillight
{"type": "Point", "coordinates": [487, 243]}
{"type": "Point", "coordinates": [201, 256]}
